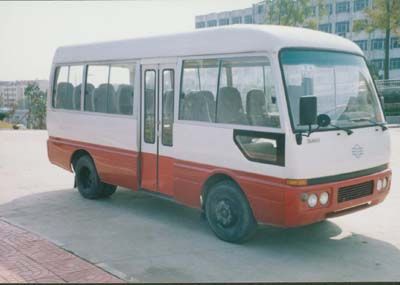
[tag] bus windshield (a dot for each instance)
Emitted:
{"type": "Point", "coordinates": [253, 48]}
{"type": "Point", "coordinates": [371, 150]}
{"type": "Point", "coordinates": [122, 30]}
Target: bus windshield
{"type": "Point", "coordinates": [340, 81]}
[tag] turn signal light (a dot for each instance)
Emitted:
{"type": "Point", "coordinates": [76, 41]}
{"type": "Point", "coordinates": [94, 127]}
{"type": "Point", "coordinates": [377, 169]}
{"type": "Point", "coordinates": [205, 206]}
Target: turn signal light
{"type": "Point", "coordinates": [297, 182]}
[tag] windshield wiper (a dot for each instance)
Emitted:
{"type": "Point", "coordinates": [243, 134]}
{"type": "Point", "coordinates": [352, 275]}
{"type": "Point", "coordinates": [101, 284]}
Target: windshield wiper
{"type": "Point", "coordinates": [382, 125]}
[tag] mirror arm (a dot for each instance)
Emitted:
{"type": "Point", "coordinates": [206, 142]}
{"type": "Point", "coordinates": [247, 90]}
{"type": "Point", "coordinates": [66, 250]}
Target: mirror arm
{"type": "Point", "coordinates": [300, 135]}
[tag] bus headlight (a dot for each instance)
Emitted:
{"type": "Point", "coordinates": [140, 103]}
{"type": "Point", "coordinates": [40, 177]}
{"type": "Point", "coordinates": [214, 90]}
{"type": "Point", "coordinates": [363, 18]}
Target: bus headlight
{"type": "Point", "coordinates": [385, 183]}
{"type": "Point", "coordinates": [324, 198]}
{"type": "Point", "coordinates": [379, 185]}
{"type": "Point", "coordinates": [312, 200]}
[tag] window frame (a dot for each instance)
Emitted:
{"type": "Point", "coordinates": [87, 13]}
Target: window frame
{"type": "Point", "coordinates": [325, 25]}
{"type": "Point", "coordinates": [200, 24]}
{"type": "Point", "coordinates": [85, 64]}
{"type": "Point", "coordinates": [395, 42]}
{"type": "Point", "coordinates": [344, 23]}
{"type": "Point", "coordinates": [223, 22]}
{"type": "Point", "coordinates": [162, 104]}
{"type": "Point", "coordinates": [357, 5]}
{"type": "Point", "coordinates": [212, 21]}
{"type": "Point", "coordinates": [235, 19]}
{"type": "Point", "coordinates": [362, 42]}
{"type": "Point", "coordinates": [277, 80]}
{"type": "Point", "coordinates": [338, 4]}
{"type": "Point", "coordinates": [248, 17]}
{"type": "Point", "coordinates": [393, 62]}
{"type": "Point", "coordinates": [154, 107]}
{"type": "Point", "coordinates": [278, 137]}
{"type": "Point", "coordinates": [380, 40]}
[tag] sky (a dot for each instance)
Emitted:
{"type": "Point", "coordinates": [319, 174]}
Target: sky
{"type": "Point", "coordinates": [30, 32]}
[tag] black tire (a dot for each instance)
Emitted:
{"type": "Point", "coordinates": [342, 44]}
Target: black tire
{"type": "Point", "coordinates": [228, 213]}
{"type": "Point", "coordinates": [108, 190]}
{"type": "Point", "coordinates": [88, 181]}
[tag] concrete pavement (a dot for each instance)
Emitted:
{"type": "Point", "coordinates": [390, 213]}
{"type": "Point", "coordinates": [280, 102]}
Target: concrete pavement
{"type": "Point", "coordinates": [141, 238]}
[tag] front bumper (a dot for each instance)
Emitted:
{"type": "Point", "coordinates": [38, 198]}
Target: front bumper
{"type": "Point", "coordinates": [285, 206]}
{"type": "Point", "coordinates": [298, 213]}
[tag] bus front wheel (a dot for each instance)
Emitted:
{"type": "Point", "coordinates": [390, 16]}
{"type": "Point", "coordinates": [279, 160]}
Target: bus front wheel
{"type": "Point", "coordinates": [88, 181]}
{"type": "Point", "coordinates": [228, 213]}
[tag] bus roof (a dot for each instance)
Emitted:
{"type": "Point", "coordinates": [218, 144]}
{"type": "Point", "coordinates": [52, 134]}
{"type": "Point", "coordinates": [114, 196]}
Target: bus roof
{"type": "Point", "coordinates": [219, 40]}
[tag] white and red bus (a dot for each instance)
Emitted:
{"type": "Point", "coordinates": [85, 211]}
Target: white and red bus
{"type": "Point", "coordinates": [250, 124]}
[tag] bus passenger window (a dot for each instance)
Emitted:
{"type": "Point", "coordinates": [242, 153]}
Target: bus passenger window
{"type": "Point", "coordinates": [246, 93]}
{"type": "Point", "coordinates": [149, 106]}
{"type": "Point", "coordinates": [67, 87]}
{"type": "Point", "coordinates": [97, 76]}
{"type": "Point", "coordinates": [167, 106]}
{"type": "Point", "coordinates": [199, 90]}
{"type": "Point", "coordinates": [122, 78]}
{"type": "Point", "coordinates": [109, 88]}
{"type": "Point", "coordinates": [75, 78]}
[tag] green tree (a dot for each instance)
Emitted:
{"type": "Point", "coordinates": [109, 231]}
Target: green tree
{"type": "Point", "coordinates": [36, 106]}
{"type": "Point", "coordinates": [384, 15]}
{"type": "Point", "coordinates": [293, 12]}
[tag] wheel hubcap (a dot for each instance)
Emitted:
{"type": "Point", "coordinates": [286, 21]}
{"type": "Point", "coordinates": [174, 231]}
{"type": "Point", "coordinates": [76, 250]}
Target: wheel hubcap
{"type": "Point", "coordinates": [224, 213]}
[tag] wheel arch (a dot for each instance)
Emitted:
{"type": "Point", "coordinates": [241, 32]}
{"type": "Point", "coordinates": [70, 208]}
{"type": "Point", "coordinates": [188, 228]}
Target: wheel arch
{"type": "Point", "coordinates": [213, 180]}
{"type": "Point", "coordinates": [78, 154]}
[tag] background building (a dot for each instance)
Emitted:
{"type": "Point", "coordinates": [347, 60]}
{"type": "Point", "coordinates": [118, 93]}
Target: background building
{"type": "Point", "coordinates": [338, 18]}
{"type": "Point", "coordinates": [12, 92]}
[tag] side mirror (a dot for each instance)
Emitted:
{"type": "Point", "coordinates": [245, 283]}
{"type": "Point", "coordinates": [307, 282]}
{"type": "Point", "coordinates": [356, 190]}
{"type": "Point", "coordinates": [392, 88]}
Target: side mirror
{"type": "Point", "coordinates": [308, 110]}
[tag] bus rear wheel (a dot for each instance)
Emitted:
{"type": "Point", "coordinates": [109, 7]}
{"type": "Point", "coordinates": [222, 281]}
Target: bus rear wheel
{"type": "Point", "coordinates": [88, 181]}
{"type": "Point", "coordinates": [228, 213]}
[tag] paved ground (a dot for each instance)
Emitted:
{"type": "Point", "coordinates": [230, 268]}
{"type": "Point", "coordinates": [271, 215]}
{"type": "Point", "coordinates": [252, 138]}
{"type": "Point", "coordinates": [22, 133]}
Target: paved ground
{"type": "Point", "coordinates": [141, 238]}
{"type": "Point", "coordinates": [26, 257]}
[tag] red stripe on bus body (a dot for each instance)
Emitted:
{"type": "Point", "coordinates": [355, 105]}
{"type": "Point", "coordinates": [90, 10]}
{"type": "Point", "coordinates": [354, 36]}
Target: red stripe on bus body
{"type": "Point", "coordinates": [272, 201]}
{"type": "Point", "coordinates": [114, 165]}
{"type": "Point", "coordinates": [180, 179]}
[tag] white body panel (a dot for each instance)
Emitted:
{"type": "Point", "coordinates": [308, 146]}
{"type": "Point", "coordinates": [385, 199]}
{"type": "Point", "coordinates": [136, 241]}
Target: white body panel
{"type": "Point", "coordinates": [331, 152]}
{"type": "Point", "coordinates": [101, 129]}
{"type": "Point", "coordinates": [213, 145]}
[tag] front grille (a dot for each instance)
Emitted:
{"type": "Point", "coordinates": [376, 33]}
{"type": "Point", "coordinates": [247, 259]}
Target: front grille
{"type": "Point", "coordinates": [355, 191]}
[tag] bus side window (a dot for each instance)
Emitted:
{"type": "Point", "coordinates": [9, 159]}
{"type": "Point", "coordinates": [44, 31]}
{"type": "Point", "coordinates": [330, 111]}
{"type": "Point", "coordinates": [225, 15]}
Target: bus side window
{"type": "Point", "coordinates": [149, 106]}
{"type": "Point", "coordinates": [97, 76]}
{"type": "Point", "coordinates": [68, 86]}
{"type": "Point", "coordinates": [167, 106]}
{"type": "Point", "coordinates": [245, 96]}
{"type": "Point", "coordinates": [75, 78]}
{"type": "Point", "coordinates": [120, 79]}
{"type": "Point", "coordinates": [199, 90]}
{"type": "Point", "coordinates": [109, 88]}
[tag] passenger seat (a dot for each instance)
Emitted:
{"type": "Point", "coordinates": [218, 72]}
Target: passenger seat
{"type": "Point", "coordinates": [196, 107]}
{"type": "Point", "coordinates": [125, 99]}
{"type": "Point", "coordinates": [64, 94]}
{"type": "Point", "coordinates": [230, 108]}
{"type": "Point", "coordinates": [256, 107]}
{"type": "Point", "coordinates": [210, 101]}
{"type": "Point", "coordinates": [101, 98]}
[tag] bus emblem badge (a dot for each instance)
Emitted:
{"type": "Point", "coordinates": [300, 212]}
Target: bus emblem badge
{"type": "Point", "coordinates": [357, 151]}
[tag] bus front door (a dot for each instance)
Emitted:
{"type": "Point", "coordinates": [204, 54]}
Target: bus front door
{"type": "Point", "coordinates": [158, 83]}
